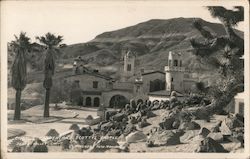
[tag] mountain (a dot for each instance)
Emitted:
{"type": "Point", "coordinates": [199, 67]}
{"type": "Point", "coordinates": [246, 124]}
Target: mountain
{"type": "Point", "coordinates": [151, 40]}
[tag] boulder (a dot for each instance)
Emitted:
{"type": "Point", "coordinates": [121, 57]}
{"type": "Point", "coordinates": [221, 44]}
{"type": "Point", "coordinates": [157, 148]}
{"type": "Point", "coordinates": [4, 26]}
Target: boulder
{"type": "Point", "coordinates": [121, 138]}
{"type": "Point", "coordinates": [176, 124]}
{"type": "Point", "coordinates": [164, 138]}
{"type": "Point", "coordinates": [167, 123]}
{"type": "Point", "coordinates": [136, 136]}
{"type": "Point", "coordinates": [109, 114]}
{"type": "Point", "coordinates": [74, 127]}
{"type": "Point", "coordinates": [65, 144]}
{"type": "Point", "coordinates": [216, 128]}
{"type": "Point", "coordinates": [143, 124]}
{"type": "Point", "coordinates": [233, 122]}
{"type": "Point", "coordinates": [189, 126]}
{"type": "Point", "coordinates": [202, 114]}
{"type": "Point", "coordinates": [188, 136]}
{"type": "Point", "coordinates": [210, 145]}
{"type": "Point", "coordinates": [118, 117]}
{"type": "Point", "coordinates": [133, 120]}
{"type": "Point", "coordinates": [39, 146]}
{"type": "Point", "coordinates": [204, 132]}
{"type": "Point", "coordinates": [224, 129]}
{"type": "Point", "coordinates": [124, 147]}
{"type": "Point", "coordinates": [237, 137]}
{"type": "Point", "coordinates": [150, 114]}
{"type": "Point", "coordinates": [85, 132]}
{"type": "Point", "coordinates": [216, 136]}
{"type": "Point", "coordinates": [156, 106]}
{"type": "Point", "coordinates": [52, 133]}
{"type": "Point", "coordinates": [107, 126]}
{"type": "Point", "coordinates": [89, 117]}
{"type": "Point", "coordinates": [129, 128]}
{"type": "Point", "coordinates": [114, 132]}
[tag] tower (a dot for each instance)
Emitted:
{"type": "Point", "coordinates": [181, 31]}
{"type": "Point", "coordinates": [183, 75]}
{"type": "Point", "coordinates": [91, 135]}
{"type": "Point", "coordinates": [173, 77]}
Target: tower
{"type": "Point", "coordinates": [129, 64]}
{"type": "Point", "coordinates": [78, 66]}
{"type": "Point", "coordinates": [174, 72]}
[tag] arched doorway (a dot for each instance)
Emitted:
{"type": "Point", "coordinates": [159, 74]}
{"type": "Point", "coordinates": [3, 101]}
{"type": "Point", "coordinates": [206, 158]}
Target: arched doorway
{"type": "Point", "coordinates": [88, 101]}
{"type": "Point", "coordinates": [96, 102]}
{"type": "Point", "coordinates": [118, 101]}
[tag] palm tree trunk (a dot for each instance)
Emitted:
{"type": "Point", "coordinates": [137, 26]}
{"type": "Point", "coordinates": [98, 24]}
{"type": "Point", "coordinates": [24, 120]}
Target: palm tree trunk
{"type": "Point", "coordinates": [46, 105]}
{"type": "Point", "coordinates": [17, 114]}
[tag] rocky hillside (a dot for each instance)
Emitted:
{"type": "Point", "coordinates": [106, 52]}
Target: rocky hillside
{"type": "Point", "coordinates": [151, 40]}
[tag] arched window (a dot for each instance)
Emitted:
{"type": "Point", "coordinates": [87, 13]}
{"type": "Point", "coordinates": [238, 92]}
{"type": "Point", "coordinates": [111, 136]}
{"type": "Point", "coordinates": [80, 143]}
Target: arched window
{"type": "Point", "coordinates": [88, 101]}
{"type": "Point", "coordinates": [175, 62]}
{"type": "Point", "coordinates": [96, 102]}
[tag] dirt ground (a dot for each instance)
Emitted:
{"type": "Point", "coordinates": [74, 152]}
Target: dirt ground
{"type": "Point", "coordinates": [35, 126]}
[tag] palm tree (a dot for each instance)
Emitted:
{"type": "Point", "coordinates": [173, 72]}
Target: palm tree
{"type": "Point", "coordinates": [19, 71]}
{"type": "Point", "coordinates": [51, 42]}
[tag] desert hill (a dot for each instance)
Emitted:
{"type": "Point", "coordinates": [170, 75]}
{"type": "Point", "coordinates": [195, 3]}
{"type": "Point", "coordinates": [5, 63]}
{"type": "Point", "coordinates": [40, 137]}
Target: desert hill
{"type": "Point", "coordinates": [151, 40]}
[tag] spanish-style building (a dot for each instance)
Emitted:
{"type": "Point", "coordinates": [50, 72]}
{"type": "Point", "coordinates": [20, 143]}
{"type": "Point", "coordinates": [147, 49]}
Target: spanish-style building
{"type": "Point", "coordinates": [98, 89]}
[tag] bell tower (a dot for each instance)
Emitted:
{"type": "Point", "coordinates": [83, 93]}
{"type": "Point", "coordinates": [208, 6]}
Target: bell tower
{"type": "Point", "coordinates": [174, 72]}
{"type": "Point", "coordinates": [129, 64]}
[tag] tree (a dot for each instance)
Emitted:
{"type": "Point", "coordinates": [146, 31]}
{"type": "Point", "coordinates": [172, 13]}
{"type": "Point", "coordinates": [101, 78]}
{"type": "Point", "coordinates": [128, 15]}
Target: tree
{"type": "Point", "coordinates": [19, 70]}
{"type": "Point", "coordinates": [60, 91]}
{"type": "Point", "coordinates": [223, 54]}
{"type": "Point", "coordinates": [201, 88]}
{"type": "Point", "coordinates": [76, 94]}
{"type": "Point", "coordinates": [51, 42]}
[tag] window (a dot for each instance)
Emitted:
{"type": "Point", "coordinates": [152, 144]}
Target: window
{"type": "Point", "coordinates": [172, 79]}
{"type": "Point", "coordinates": [175, 62]}
{"type": "Point", "coordinates": [96, 102]}
{"type": "Point", "coordinates": [180, 63]}
{"type": "Point", "coordinates": [129, 67]}
{"type": "Point", "coordinates": [88, 101]}
{"type": "Point", "coordinates": [95, 84]}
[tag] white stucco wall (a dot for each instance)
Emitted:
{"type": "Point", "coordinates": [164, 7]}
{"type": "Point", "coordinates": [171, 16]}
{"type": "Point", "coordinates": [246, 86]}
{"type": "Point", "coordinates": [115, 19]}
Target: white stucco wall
{"type": "Point", "coordinates": [239, 102]}
{"type": "Point", "coordinates": [86, 82]}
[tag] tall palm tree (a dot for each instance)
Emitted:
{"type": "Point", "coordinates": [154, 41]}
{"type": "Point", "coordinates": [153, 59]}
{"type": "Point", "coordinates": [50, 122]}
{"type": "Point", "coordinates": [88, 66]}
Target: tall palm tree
{"type": "Point", "coordinates": [51, 41]}
{"type": "Point", "coordinates": [19, 71]}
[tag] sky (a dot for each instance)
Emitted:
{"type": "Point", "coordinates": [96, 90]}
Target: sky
{"type": "Point", "coordinates": [81, 21]}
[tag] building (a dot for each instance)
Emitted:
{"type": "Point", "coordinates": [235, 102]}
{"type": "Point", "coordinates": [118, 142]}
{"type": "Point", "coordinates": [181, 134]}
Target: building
{"type": "Point", "coordinates": [97, 89]}
{"type": "Point", "coordinates": [239, 104]}
{"type": "Point", "coordinates": [177, 79]}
